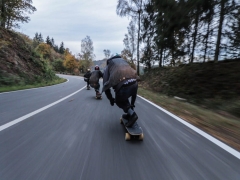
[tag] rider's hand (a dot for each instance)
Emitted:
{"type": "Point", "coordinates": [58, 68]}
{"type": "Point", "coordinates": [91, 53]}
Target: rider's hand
{"type": "Point", "coordinates": [112, 101]}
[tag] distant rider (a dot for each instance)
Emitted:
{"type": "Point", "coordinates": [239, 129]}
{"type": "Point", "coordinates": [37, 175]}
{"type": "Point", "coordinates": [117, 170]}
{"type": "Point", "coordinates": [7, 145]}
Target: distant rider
{"type": "Point", "coordinates": [94, 79]}
{"type": "Point", "coordinates": [86, 77]}
{"type": "Point", "coordinates": [123, 79]}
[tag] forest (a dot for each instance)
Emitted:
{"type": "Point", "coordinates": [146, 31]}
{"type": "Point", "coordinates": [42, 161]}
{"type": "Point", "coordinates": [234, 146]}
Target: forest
{"type": "Point", "coordinates": [174, 32]}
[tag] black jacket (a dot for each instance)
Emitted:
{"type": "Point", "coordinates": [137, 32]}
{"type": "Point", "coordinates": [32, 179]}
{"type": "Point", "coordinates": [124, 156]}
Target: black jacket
{"type": "Point", "coordinates": [95, 76]}
{"type": "Point", "coordinates": [117, 71]}
{"type": "Point", "coordinates": [87, 74]}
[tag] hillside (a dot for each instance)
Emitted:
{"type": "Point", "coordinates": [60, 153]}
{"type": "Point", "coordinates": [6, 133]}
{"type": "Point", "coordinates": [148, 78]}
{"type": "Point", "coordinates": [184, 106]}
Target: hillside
{"type": "Point", "coordinates": [19, 64]}
{"type": "Point", "coordinates": [211, 85]}
{"type": "Point", "coordinates": [100, 63]}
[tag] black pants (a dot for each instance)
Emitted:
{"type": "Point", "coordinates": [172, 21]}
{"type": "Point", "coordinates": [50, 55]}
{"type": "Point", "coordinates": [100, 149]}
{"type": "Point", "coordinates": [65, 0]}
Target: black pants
{"type": "Point", "coordinates": [123, 95]}
{"type": "Point", "coordinates": [96, 86]}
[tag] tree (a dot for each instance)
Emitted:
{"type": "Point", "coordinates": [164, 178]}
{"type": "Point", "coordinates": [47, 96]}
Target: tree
{"type": "Point", "coordinates": [226, 7]}
{"type": "Point", "coordinates": [14, 11]}
{"type": "Point", "coordinates": [153, 46]}
{"type": "Point", "coordinates": [58, 65]}
{"type": "Point", "coordinates": [126, 54]}
{"type": "Point", "coordinates": [37, 39]}
{"type": "Point", "coordinates": [130, 40]}
{"type": "Point", "coordinates": [45, 50]}
{"type": "Point", "coordinates": [235, 36]}
{"type": "Point", "coordinates": [207, 19]}
{"type": "Point", "coordinates": [70, 62]}
{"type": "Point", "coordinates": [61, 49]}
{"type": "Point", "coordinates": [87, 51]}
{"type": "Point", "coordinates": [48, 41]}
{"type": "Point", "coordinates": [40, 38]}
{"type": "Point", "coordinates": [107, 53]}
{"type": "Point", "coordinates": [134, 9]}
{"type": "Point", "coordinates": [56, 49]}
{"type": "Point", "coordinates": [86, 55]}
{"type": "Point", "coordinates": [172, 24]}
{"type": "Point", "coordinates": [200, 12]}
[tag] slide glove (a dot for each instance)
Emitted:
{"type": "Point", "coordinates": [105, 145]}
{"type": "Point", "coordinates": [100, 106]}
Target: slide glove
{"type": "Point", "coordinates": [112, 101]}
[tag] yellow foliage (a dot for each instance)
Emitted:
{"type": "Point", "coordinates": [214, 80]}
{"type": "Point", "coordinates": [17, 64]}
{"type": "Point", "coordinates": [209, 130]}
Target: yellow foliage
{"type": "Point", "coordinates": [45, 50]}
{"type": "Point", "coordinates": [70, 62]}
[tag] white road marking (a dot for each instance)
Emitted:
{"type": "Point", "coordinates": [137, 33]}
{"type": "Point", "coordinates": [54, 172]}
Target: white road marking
{"type": "Point", "coordinates": [207, 136]}
{"type": "Point", "coordinates": [11, 123]}
{"type": "Point", "coordinates": [32, 88]}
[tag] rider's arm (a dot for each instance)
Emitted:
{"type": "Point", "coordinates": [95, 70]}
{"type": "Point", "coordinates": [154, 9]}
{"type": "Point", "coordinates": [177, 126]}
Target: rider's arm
{"type": "Point", "coordinates": [109, 94]}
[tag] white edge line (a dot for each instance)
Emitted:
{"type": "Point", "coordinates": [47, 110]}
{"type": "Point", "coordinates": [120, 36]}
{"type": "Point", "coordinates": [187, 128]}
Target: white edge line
{"type": "Point", "coordinates": [207, 136]}
{"type": "Point", "coordinates": [11, 123]}
{"type": "Point", "coordinates": [33, 88]}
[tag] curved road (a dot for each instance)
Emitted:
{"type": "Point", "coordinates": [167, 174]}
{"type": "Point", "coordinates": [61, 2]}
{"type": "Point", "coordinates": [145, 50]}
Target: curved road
{"type": "Point", "coordinates": [63, 133]}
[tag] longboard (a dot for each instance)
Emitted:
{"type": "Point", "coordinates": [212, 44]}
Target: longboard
{"type": "Point", "coordinates": [99, 96]}
{"type": "Point", "coordinates": [133, 132]}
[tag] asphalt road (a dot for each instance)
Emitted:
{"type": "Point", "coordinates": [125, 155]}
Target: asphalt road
{"type": "Point", "coordinates": [63, 133]}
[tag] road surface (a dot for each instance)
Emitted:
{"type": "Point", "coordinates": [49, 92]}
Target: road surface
{"type": "Point", "coordinates": [62, 132]}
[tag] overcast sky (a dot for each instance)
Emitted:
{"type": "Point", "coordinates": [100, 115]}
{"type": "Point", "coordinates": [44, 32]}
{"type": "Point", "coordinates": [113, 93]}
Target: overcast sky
{"type": "Point", "coordinates": [72, 20]}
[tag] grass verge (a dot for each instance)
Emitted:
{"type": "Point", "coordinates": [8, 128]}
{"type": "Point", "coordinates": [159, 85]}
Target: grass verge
{"type": "Point", "coordinates": [29, 86]}
{"type": "Point", "coordinates": [224, 126]}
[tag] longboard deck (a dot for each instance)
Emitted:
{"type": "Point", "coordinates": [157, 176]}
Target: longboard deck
{"type": "Point", "coordinates": [98, 96]}
{"type": "Point", "coordinates": [135, 130]}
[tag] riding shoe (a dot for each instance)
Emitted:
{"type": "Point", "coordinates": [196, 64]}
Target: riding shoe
{"type": "Point", "coordinates": [133, 118]}
{"type": "Point", "coordinates": [126, 116]}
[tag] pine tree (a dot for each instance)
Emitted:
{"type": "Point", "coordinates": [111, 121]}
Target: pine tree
{"type": "Point", "coordinates": [61, 49]}
{"type": "Point", "coordinates": [52, 42]}
{"type": "Point", "coordinates": [40, 38]}
{"type": "Point", "coordinates": [48, 41]}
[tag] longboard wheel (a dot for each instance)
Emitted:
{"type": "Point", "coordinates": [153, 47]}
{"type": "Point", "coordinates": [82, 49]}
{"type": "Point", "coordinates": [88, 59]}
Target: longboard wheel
{"type": "Point", "coordinates": [141, 137]}
{"type": "Point", "coordinates": [127, 137]}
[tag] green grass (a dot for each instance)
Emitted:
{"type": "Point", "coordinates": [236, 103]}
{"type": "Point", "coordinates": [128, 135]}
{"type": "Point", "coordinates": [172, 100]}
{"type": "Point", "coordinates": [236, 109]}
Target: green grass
{"type": "Point", "coordinates": [29, 86]}
{"type": "Point", "coordinates": [221, 125]}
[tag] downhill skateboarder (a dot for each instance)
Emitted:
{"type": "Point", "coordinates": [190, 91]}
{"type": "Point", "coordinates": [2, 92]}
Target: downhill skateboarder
{"type": "Point", "coordinates": [123, 79]}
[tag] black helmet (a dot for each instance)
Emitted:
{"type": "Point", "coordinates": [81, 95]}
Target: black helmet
{"type": "Point", "coordinates": [97, 67]}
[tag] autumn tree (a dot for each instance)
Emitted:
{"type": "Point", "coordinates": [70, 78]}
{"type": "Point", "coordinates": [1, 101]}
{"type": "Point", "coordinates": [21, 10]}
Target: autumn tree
{"type": "Point", "coordinates": [45, 50]}
{"type": "Point", "coordinates": [70, 62]}
{"type": "Point", "coordinates": [14, 11]}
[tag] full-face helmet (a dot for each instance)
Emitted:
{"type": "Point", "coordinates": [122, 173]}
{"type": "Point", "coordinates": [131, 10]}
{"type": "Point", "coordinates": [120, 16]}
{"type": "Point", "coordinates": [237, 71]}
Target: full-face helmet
{"type": "Point", "coordinates": [97, 67]}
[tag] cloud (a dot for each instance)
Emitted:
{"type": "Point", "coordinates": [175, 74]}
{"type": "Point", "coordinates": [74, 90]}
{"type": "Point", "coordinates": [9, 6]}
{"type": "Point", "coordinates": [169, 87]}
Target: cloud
{"type": "Point", "coordinates": [71, 21]}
